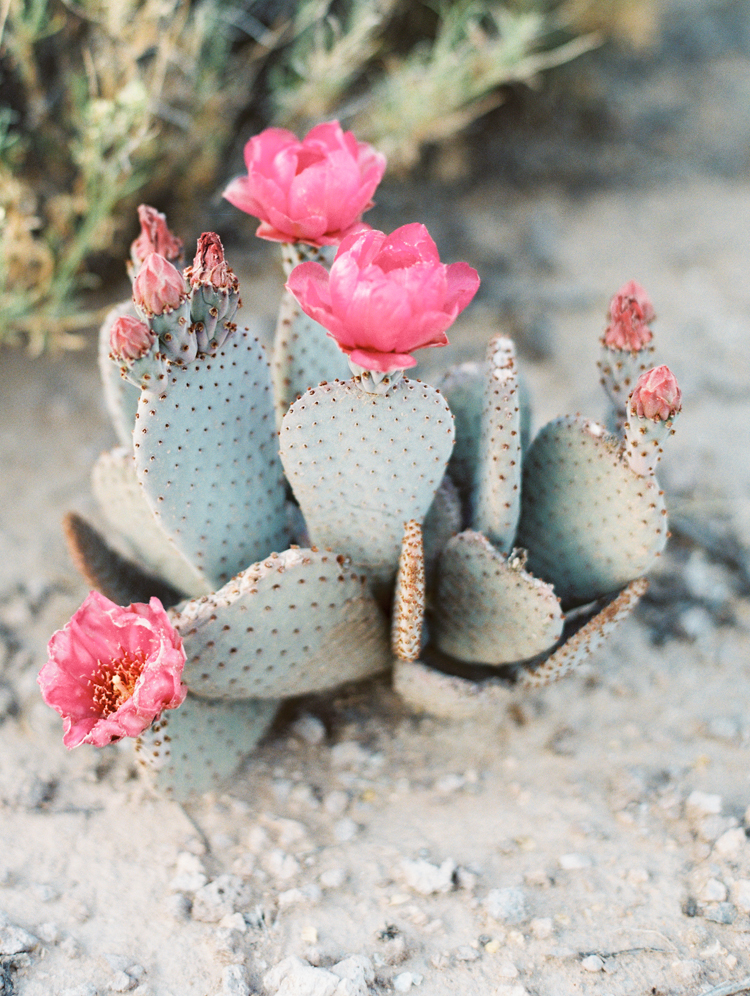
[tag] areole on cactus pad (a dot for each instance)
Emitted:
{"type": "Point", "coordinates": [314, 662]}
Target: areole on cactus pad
{"type": "Point", "coordinates": [312, 528]}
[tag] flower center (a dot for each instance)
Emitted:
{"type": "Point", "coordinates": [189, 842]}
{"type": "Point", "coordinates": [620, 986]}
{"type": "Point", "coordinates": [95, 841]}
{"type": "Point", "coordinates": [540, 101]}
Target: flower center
{"type": "Point", "coordinates": [113, 682]}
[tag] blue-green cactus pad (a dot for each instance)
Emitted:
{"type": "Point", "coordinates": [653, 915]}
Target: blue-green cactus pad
{"type": "Point", "coordinates": [120, 397]}
{"type": "Point", "coordinates": [589, 524]}
{"type": "Point", "coordinates": [488, 609]}
{"type": "Point", "coordinates": [299, 622]}
{"type": "Point", "coordinates": [442, 521]}
{"type": "Point", "coordinates": [463, 387]}
{"type": "Point", "coordinates": [409, 596]}
{"type": "Point", "coordinates": [361, 465]}
{"type": "Point", "coordinates": [586, 640]}
{"type": "Point", "coordinates": [496, 502]}
{"type": "Point", "coordinates": [123, 503]}
{"type": "Point", "coordinates": [192, 749]}
{"type": "Point", "coordinates": [206, 455]}
{"type": "Point", "coordinates": [303, 355]}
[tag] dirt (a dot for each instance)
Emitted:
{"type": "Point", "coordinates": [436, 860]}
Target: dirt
{"type": "Point", "coordinates": [589, 838]}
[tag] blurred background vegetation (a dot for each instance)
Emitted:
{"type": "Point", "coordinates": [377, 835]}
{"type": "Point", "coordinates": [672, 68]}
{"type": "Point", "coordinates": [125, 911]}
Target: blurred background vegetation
{"type": "Point", "coordinates": [107, 103]}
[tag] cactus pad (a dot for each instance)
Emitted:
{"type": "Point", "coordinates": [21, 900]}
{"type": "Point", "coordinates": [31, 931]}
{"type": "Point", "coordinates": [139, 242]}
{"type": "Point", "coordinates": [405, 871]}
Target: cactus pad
{"type": "Point", "coordinates": [303, 355]}
{"type": "Point", "coordinates": [426, 690]}
{"type": "Point", "coordinates": [192, 749]}
{"type": "Point", "coordinates": [590, 524]}
{"type": "Point", "coordinates": [586, 639]}
{"type": "Point", "coordinates": [298, 622]}
{"type": "Point", "coordinates": [105, 570]}
{"type": "Point", "coordinates": [123, 503]}
{"type": "Point", "coordinates": [205, 447]}
{"type": "Point", "coordinates": [487, 608]}
{"type": "Point", "coordinates": [497, 497]}
{"type": "Point", "coordinates": [120, 396]}
{"type": "Point", "coordinates": [362, 464]}
{"type": "Point", "coordinates": [408, 599]}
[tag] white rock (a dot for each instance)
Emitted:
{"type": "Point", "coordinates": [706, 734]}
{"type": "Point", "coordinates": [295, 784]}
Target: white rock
{"type": "Point", "coordinates": [345, 830]}
{"type": "Point", "coordinates": [704, 803]}
{"type": "Point", "coordinates": [592, 963]}
{"type": "Point", "coordinates": [424, 877]}
{"type": "Point", "coordinates": [403, 982]}
{"type": "Point", "coordinates": [336, 803]}
{"type": "Point", "coordinates": [508, 905]}
{"type": "Point", "coordinates": [281, 865]}
{"type": "Point", "coordinates": [349, 754]}
{"type": "Point", "coordinates": [687, 970]}
{"type": "Point", "coordinates": [84, 989]}
{"type": "Point", "coordinates": [299, 978]}
{"type": "Point", "coordinates": [257, 840]}
{"type": "Point", "coordinates": [742, 894]}
{"type": "Point", "coordinates": [310, 729]}
{"type": "Point", "coordinates": [542, 927]}
{"type": "Point", "coordinates": [713, 891]}
{"type": "Point", "coordinates": [15, 940]}
{"type": "Point", "coordinates": [122, 983]}
{"type": "Point", "coordinates": [226, 894]}
{"type": "Point", "coordinates": [232, 921]}
{"type": "Point", "coordinates": [731, 842]}
{"type": "Point", "coordinates": [574, 862]}
{"type": "Point", "coordinates": [333, 878]}
{"type": "Point", "coordinates": [507, 970]}
{"type": "Point", "coordinates": [449, 783]}
{"type": "Point", "coordinates": [234, 981]}
{"type": "Point", "coordinates": [358, 968]}
{"type": "Point", "coordinates": [49, 932]}
{"type": "Point", "coordinates": [290, 832]}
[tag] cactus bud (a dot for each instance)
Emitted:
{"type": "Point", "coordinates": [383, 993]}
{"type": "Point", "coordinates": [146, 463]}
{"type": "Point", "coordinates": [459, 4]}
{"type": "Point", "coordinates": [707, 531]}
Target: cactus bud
{"type": "Point", "coordinates": [653, 405]}
{"type": "Point", "coordinates": [160, 296]}
{"type": "Point", "coordinates": [657, 395]}
{"type": "Point", "coordinates": [130, 339]}
{"type": "Point", "coordinates": [155, 237]}
{"type": "Point", "coordinates": [626, 345]}
{"type": "Point", "coordinates": [159, 286]}
{"type": "Point", "coordinates": [214, 291]}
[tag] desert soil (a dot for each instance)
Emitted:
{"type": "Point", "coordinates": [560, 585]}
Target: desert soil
{"type": "Point", "coordinates": [589, 838]}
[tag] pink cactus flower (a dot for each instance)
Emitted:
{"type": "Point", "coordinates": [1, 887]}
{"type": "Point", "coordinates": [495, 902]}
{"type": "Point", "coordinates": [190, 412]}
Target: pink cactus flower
{"type": "Point", "coordinates": [155, 237]}
{"type": "Point", "coordinates": [113, 670]}
{"type": "Point", "coordinates": [630, 310]}
{"type": "Point", "coordinates": [386, 296]}
{"type": "Point", "coordinates": [159, 286]}
{"type": "Point", "coordinates": [312, 190]}
{"type": "Point", "coordinates": [209, 266]}
{"type": "Point", "coordinates": [656, 395]}
{"type": "Point", "coordinates": [130, 338]}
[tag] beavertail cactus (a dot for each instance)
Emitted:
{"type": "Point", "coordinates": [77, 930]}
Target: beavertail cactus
{"type": "Point", "coordinates": [309, 521]}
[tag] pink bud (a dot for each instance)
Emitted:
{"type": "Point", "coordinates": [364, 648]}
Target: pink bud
{"type": "Point", "coordinates": [630, 310]}
{"type": "Point", "coordinates": [155, 237]}
{"type": "Point", "coordinates": [656, 395]}
{"type": "Point", "coordinates": [159, 286]}
{"type": "Point", "coordinates": [209, 265]}
{"type": "Point", "coordinates": [130, 339]}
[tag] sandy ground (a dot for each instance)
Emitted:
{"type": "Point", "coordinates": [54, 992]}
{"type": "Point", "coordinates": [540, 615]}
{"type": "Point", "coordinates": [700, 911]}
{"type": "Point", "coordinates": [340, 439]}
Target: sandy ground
{"type": "Point", "coordinates": [588, 839]}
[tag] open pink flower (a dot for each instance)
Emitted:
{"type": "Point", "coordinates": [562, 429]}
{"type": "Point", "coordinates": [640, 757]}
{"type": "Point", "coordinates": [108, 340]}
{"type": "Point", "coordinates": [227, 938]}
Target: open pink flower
{"type": "Point", "coordinates": [386, 296]}
{"type": "Point", "coordinates": [113, 670]}
{"type": "Point", "coordinates": [312, 190]}
{"type": "Point", "coordinates": [155, 237]}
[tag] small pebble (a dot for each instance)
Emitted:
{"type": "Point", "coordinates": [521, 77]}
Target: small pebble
{"type": "Point", "coordinates": [509, 905]}
{"type": "Point", "coordinates": [742, 894]}
{"type": "Point", "coordinates": [730, 842]}
{"type": "Point", "coordinates": [310, 729]}
{"type": "Point", "coordinates": [281, 865]}
{"type": "Point", "coordinates": [507, 970]}
{"type": "Point", "coordinates": [122, 982]}
{"type": "Point", "coordinates": [542, 927]}
{"type": "Point", "coordinates": [713, 891]}
{"type": "Point", "coordinates": [426, 878]}
{"type": "Point", "coordinates": [403, 982]}
{"type": "Point", "coordinates": [84, 989]}
{"type": "Point", "coordinates": [332, 878]}
{"type": "Point", "coordinates": [466, 953]}
{"type": "Point", "coordinates": [592, 963]}
{"type": "Point", "coordinates": [49, 933]}
{"type": "Point", "coordinates": [345, 830]}
{"type": "Point", "coordinates": [703, 803]}
{"type": "Point", "coordinates": [574, 862]}
{"type": "Point", "coordinates": [15, 940]}
{"type": "Point", "coordinates": [70, 947]}
{"type": "Point", "coordinates": [449, 783]}
{"type": "Point", "coordinates": [721, 913]}
{"type": "Point", "coordinates": [349, 754]}
{"type": "Point", "coordinates": [336, 803]}
{"type": "Point", "coordinates": [686, 970]}
{"type": "Point", "coordinates": [225, 894]}
{"type": "Point", "coordinates": [234, 981]}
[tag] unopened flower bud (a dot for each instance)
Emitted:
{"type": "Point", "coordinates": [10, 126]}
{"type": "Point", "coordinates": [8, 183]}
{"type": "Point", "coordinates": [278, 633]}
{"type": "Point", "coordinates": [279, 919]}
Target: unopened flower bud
{"type": "Point", "coordinates": [656, 395]}
{"type": "Point", "coordinates": [130, 339]}
{"type": "Point", "coordinates": [155, 237]}
{"type": "Point", "coordinates": [209, 266]}
{"type": "Point", "coordinates": [159, 286]}
{"type": "Point", "coordinates": [630, 294]}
